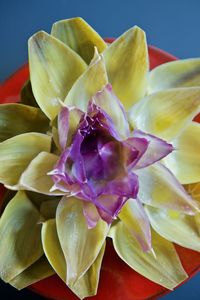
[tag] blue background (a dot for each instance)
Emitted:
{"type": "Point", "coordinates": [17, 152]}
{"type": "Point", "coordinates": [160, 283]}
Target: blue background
{"type": "Point", "coordinates": [171, 25]}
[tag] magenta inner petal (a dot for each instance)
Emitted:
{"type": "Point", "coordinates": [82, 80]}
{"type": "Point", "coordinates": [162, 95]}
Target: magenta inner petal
{"type": "Point", "coordinates": [98, 165]}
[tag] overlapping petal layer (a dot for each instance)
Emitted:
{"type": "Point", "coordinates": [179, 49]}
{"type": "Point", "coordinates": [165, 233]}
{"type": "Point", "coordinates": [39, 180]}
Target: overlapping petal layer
{"type": "Point", "coordinates": [18, 248]}
{"type": "Point", "coordinates": [162, 267]}
{"type": "Point", "coordinates": [176, 227]}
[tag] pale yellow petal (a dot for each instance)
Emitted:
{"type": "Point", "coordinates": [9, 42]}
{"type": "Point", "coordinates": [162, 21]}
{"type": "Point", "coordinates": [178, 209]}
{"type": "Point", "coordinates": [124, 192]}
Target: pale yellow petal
{"type": "Point", "coordinates": [80, 36]}
{"type": "Point", "coordinates": [135, 219]}
{"type": "Point", "coordinates": [80, 245]}
{"type": "Point", "coordinates": [54, 68]}
{"type": "Point", "coordinates": [162, 266]}
{"type": "Point", "coordinates": [184, 161]}
{"type": "Point", "coordinates": [175, 227]}
{"type": "Point", "coordinates": [35, 177]}
{"type": "Point", "coordinates": [41, 269]}
{"type": "Point", "coordinates": [180, 73]}
{"type": "Point", "coordinates": [20, 234]}
{"type": "Point", "coordinates": [92, 81]}
{"type": "Point", "coordinates": [159, 188]}
{"type": "Point", "coordinates": [17, 152]}
{"type": "Point", "coordinates": [127, 65]}
{"type": "Point", "coordinates": [87, 285]}
{"type": "Point", "coordinates": [166, 113]}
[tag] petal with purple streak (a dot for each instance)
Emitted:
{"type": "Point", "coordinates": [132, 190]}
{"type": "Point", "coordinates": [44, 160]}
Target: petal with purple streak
{"type": "Point", "coordinates": [157, 149]}
{"type": "Point", "coordinates": [91, 214]}
{"type": "Point", "coordinates": [63, 126]}
{"type": "Point", "coordinates": [135, 218]}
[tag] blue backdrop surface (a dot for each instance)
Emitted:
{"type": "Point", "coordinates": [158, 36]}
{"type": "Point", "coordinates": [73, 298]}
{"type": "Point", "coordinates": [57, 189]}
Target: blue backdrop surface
{"type": "Point", "coordinates": [172, 25]}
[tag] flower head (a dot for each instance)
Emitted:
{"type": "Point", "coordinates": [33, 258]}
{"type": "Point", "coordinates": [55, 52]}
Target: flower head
{"type": "Point", "coordinates": [103, 148]}
{"type": "Point", "coordinates": [98, 165]}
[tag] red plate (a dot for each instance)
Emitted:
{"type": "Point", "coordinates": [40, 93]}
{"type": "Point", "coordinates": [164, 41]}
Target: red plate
{"type": "Point", "coordinates": [118, 281]}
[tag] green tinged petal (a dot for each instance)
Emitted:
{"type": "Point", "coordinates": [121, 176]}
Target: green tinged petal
{"type": "Point", "coordinates": [18, 118]}
{"type": "Point", "coordinates": [35, 177]}
{"type": "Point", "coordinates": [17, 152]}
{"type": "Point", "coordinates": [92, 81]}
{"type": "Point", "coordinates": [180, 73]}
{"type": "Point", "coordinates": [166, 113]}
{"type": "Point", "coordinates": [20, 233]}
{"type": "Point", "coordinates": [80, 245]}
{"type": "Point", "coordinates": [48, 208]}
{"type": "Point", "coordinates": [79, 36]}
{"type": "Point", "coordinates": [54, 68]}
{"type": "Point", "coordinates": [184, 161]}
{"type": "Point", "coordinates": [159, 188]}
{"type": "Point", "coordinates": [176, 227]}
{"type": "Point", "coordinates": [87, 285]}
{"type": "Point", "coordinates": [127, 66]}
{"type": "Point", "coordinates": [26, 95]}
{"type": "Point", "coordinates": [41, 269]}
{"type": "Point", "coordinates": [164, 267]}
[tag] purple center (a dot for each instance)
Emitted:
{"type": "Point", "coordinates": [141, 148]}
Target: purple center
{"type": "Point", "coordinates": [98, 167]}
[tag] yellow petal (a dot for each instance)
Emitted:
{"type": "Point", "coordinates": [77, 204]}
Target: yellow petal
{"type": "Point", "coordinates": [87, 285]}
{"type": "Point", "coordinates": [164, 267]}
{"type": "Point", "coordinates": [184, 161]}
{"type": "Point", "coordinates": [80, 245]}
{"type": "Point", "coordinates": [159, 188]}
{"type": "Point", "coordinates": [41, 269]}
{"type": "Point", "coordinates": [176, 227]}
{"type": "Point", "coordinates": [17, 119]}
{"type": "Point", "coordinates": [35, 177]}
{"type": "Point", "coordinates": [135, 219]}
{"type": "Point", "coordinates": [52, 248]}
{"type": "Point", "coordinates": [16, 153]}
{"type": "Point", "coordinates": [54, 68]}
{"type": "Point", "coordinates": [127, 65]}
{"type": "Point", "coordinates": [80, 36]}
{"type": "Point", "coordinates": [180, 73]}
{"type": "Point", "coordinates": [92, 81]}
{"type": "Point", "coordinates": [166, 113]}
{"type": "Point", "coordinates": [20, 233]}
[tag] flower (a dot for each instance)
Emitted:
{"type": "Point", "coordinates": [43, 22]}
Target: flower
{"type": "Point", "coordinates": [102, 148]}
{"type": "Point", "coordinates": [99, 165]}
